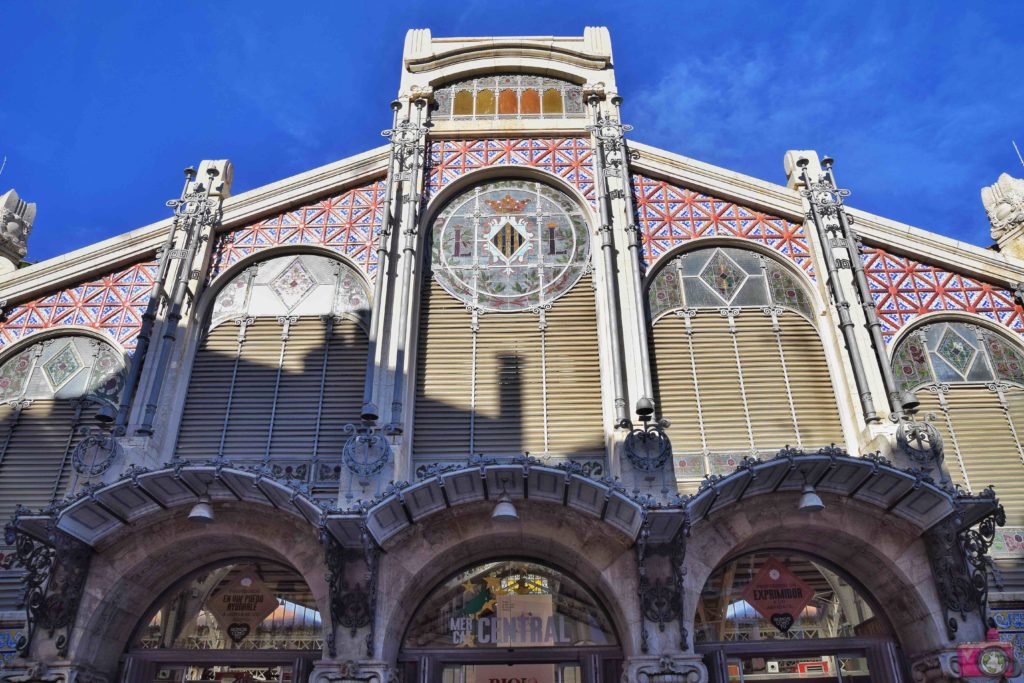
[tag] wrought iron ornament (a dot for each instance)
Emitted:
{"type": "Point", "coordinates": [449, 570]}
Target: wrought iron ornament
{"type": "Point", "coordinates": [55, 573]}
{"type": "Point", "coordinates": [648, 448]}
{"type": "Point", "coordinates": [366, 452]}
{"type": "Point", "coordinates": [95, 454]}
{"type": "Point", "coordinates": [352, 606]}
{"type": "Point", "coordinates": [961, 564]}
{"type": "Point", "coordinates": [661, 597]}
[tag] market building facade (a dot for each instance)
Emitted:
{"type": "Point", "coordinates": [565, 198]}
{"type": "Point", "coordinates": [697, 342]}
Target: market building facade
{"type": "Point", "coordinates": [514, 398]}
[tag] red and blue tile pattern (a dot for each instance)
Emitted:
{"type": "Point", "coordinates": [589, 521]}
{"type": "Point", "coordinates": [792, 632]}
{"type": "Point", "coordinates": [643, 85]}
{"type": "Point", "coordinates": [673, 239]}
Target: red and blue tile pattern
{"type": "Point", "coordinates": [347, 223]}
{"type": "Point", "coordinates": [669, 215]}
{"type": "Point", "coordinates": [568, 158]}
{"type": "Point", "coordinates": [905, 289]}
{"type": "Point", "coordinates": [112, 303]}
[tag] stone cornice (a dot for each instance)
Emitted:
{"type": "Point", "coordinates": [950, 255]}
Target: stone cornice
{"type": "Point", "coordinates": [240, 209]}
{"type": "Point", "coordinates": [956, 255]}
{"type": "Point", "coordinates": [548, 49]}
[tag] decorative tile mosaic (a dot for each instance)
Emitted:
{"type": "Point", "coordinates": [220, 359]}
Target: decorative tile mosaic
{"type": "Point", "coordinates": [905, 289]}
{"type": "Point", "coordinates": [568, 158]}
{"type": "Point", "coordinates": [293, 284]}
{"type": "Point", "coordinates": [669, 215]}
{"type": "Point", "coordinates": [348, 223]}
{"type": "Point", "coordinates": [113, 303]}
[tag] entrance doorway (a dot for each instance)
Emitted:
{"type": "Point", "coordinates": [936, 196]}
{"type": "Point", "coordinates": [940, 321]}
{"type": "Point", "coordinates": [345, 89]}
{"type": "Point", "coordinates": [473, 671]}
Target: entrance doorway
{"type": "Point", "coordinates": [247, 621]}
{"type": "Point", "coordinates": [510, 621]}
{"type": "Point", "coordinates": [782, 616]}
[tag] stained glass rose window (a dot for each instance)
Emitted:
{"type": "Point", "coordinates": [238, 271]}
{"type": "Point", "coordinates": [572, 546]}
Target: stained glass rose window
{"type": "Point", "coordinates": [510, 245]}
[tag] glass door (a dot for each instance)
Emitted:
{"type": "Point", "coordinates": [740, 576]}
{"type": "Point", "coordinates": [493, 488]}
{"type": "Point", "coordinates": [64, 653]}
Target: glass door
{"type": "Point", "coordinates": [783, 667]}
{"type": "Point", "coordinates": [221, 673]}
{"type": "Point", "coordinates": [567, 672]}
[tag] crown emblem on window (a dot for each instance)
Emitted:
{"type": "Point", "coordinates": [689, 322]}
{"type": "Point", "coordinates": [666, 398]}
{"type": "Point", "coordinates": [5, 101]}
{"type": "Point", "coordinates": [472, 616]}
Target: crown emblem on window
{"type": "Point", "coordinates": [507, 204]}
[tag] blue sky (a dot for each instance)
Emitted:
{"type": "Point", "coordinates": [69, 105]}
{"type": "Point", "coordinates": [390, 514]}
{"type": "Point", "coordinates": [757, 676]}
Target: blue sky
{"type": "Point", "coordinates": [104, 102]}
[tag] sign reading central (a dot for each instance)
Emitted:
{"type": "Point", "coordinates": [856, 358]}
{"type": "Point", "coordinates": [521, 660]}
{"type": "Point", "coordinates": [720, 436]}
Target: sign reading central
{"type": "Point", "coordinates": [510, 245]}
{"type": "Point", "coordinates": [509, 604]}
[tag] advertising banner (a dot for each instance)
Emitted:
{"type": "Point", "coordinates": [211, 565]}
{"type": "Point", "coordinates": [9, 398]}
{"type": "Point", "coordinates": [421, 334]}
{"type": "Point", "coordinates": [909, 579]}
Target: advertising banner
{"type": "Point", "coordinates": [778, 594]}
{"type": "Point", "coordinates": [242, 605]}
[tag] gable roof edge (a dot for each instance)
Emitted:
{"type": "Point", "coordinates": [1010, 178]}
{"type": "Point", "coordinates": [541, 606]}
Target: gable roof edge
{"type": "Point", "coordinates": [242, 208]}
{"type": "Point", "coordinates": [958, 256]}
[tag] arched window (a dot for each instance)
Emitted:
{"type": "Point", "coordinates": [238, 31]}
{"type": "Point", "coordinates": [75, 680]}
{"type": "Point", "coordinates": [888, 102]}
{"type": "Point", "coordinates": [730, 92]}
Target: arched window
{"type": "Point", "coordinates": [738, 366]}
{"type": "Point", "coordinates": [246, 605]}
{"type": "Point", "coordinates": [509, 612]}
{"type": "Point", "coordinates": [811, 621]}
{"type": "Point", "coordinates": [508, 352]}
{"type": "Point", "coordinates": [50, 393]}
{"type": "Point", "coordinates": [508, 96]}
{"type": "Point", "coordinates": [279, 372]}
{"type": "Point", "coordinates": [970, 381]}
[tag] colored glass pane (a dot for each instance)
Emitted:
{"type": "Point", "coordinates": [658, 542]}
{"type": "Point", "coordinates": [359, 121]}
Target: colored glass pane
{"type": "Point", "coordinates": [507, 103]}
{"type": "Point", "coordinates": [785, 290]}
{"type": "Point", "coordinates": [14, 375]}
{"type": "Point", "coordinates": [510, 245]}
{"type": "Point", "coordinates": [509, 95]}
{"type": "Point", "coordinates": [293, 284]}
{"type": "Point", "coordinates": [723, 275]}
{"type": "Point", "coordinates": [485, 102]}
{"type": "Point", "coordinates": [956, 351]}
{"type": "Point", "coordinates": [665, 293]}
{"type": "Point", "coordinates": [529, 101]}
{"type": "Point", "coordinates": [1006, 361]}
{"type": "Point", "coordinates": [552, 103]}
{"type": "Point", "coordinates": [463, 104]}
{"type": "Point", "coordinates": [910, 365]}
{"type": "Point", "coordinates": [62, 366]}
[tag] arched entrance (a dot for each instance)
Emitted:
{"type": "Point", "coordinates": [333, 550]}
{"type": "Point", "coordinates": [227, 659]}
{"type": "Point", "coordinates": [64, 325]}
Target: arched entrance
{"type": "Point", "coordinates": [245, 621]}
{"type": "Point", "coordinates": [509, 621]}
{"type": "Point", "coordinates": [782, 615]}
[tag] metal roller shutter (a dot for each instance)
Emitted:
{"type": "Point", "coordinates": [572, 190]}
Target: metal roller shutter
{"type": "Point", "coordinates": [202, 420]}
{"type": "Point", "coordinates": [575, 409]}
{"type": "Point", "coordinates": [673, 372]}
{"type": "Point", "coordinates": [763, 386]}
{"type": "Point", "coordinates": [444, 381]}
{"type": "Point", "coordinates": [529, 390]}
{"type": "Point", "coordinates": [981, 446]}
{"type": "Point", "coordinates": [509, 415]}
{"type": "Point", "coordinates": [287, 398]}
{"type": "Point", "coordinates": [766, 382]}
{"type": "Point", "coordinates": [343, 387]}
{"type": "Point", "coordinates": [35, 465]}
{"type": "Point", "coordinates": [814, 397]}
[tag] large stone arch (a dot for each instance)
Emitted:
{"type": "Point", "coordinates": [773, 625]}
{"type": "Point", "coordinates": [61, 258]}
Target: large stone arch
{"type": "Point", "coordinates": [886, 555]}
{"type": "Point", "coordinates": [427, 553]}
{"type": "Point", "coordinates": [132, 569]}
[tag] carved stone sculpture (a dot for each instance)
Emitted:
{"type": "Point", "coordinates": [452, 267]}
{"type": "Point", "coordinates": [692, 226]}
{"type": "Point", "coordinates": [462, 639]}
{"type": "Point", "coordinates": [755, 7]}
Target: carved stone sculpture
{"type": "Point", "coordinates": [16, 218]}
{"type": "Point", "coordinates": [1004, 203]}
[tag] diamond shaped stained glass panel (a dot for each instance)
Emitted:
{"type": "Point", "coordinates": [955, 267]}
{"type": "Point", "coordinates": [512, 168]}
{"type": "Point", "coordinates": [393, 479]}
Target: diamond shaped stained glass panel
{"type": "Point", "coordinates": [62, 366]}
{"type": "Point", "coordinates": [956, 351]}
{"type": "Point", "coordinates": [293, 284]}
{"type": "Point", "coordinates": [723, 275]}
{"type": "Point", "coordinates": [508, 240]}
